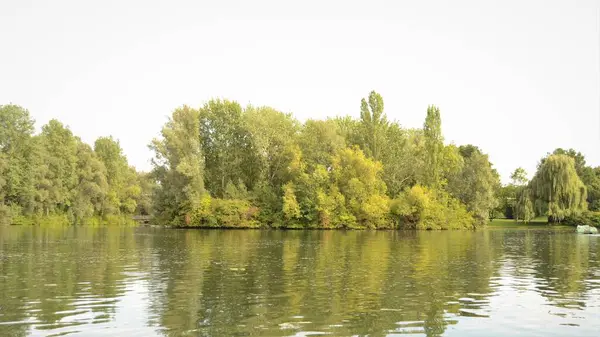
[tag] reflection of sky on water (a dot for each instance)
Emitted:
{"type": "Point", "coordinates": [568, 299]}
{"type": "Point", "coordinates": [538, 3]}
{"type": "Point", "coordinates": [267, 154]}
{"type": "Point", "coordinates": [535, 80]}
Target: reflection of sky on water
{"type": "Point", "coordinates": [523, 303]}
{"type": "Point", "coordinates": [197, 283]}
{"type": "Point", "coordinates": [130, 316]}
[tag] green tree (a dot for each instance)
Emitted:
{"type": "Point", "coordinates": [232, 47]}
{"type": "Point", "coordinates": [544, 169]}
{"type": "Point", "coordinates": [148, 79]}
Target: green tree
{"type": "Point", "coordinates": [349, 129]}
{"type": "Point", "coordinates": [122, 180]}
{"type": "Point", "coordinates": [60, 151]}
{"type": "Point", "coordinates": [434, 146]}
{"type": "Point", "coordinates": [147, 187]}
{"type": "Point", "coordinates": [557, 189]}
{"type": "Point", "coordinates": [373, 125]}
{"type": "Point", "coordinates": [358, 180]}
{"type": "Point", "coordinates": [92, 185]}
{"type": "Point", "coordinates": [579, 160]}
{"type": "Point", "coordinates": [16, 128]}
{"type": "Point", "coordinates": [178, 167]}
{"type": "Point", "coordinates": [273, 137]}
{"type": "Point", "coordinates": [593, 188]}
{"type": "Point", "coordinates": [52, 173]}
{"type": "Point", "coordinates": [319, 141]}
{"type": "Point", "coordinates": [506, 196]}
{"type": "Point", "coordinates": [16, 174]}
{"type": "Point", "coordinates": [399, 159]}
{"type": "Point", "coordinates": [291, 208]}
{"type": "Point", "coordinates": [509, 195]}
{"type": "Point", "coordinates": [588, 176]}
{"type": "Point", "coordinates": [39, 198]}
{"type": "Point", "coordinates": [520, 201]}
{"type": "Point", "coordinates": [523, 207]}
{"type": "Point", "coordinates": [420, 207]}
{"type": "Point", "coordinates": [519, 177]}
{"type": "Point", "coordinates": [319, 202]}
{"type": "Point", "coordinates": [476, 183]}
{"type": "Point", "coordinates": [228, 148]}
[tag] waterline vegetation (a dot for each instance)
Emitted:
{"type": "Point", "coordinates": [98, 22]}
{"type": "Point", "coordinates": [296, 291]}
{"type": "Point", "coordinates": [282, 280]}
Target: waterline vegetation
{"type": "Point", "coordinates": [223, 165]}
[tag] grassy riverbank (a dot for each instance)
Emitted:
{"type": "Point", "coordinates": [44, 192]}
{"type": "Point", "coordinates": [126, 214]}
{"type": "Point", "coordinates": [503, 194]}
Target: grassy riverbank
{"type": "Point", "coordinates": [59, 220]}
{"type": "Point", "coordinates": [539, 221]}
{"type": "Point", "coordinates": [536, 223]}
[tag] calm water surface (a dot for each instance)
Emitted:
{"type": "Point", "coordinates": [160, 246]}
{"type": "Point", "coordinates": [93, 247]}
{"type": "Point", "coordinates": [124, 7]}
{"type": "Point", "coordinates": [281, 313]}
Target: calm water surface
{"type": "Point", "coordinates": [160, 282]}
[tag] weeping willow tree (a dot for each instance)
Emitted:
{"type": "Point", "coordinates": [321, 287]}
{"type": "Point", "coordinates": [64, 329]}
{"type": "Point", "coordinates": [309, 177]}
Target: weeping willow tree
{"type": "Point", "coordinates": [524, 207]}
{"type": "Point", "coordinates": [557, 189]}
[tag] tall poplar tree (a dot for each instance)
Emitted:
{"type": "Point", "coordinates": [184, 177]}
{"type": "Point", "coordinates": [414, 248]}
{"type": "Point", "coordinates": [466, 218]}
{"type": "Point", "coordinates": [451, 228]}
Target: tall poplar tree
{"type": "Point", "coordinates": [434, 146]}
{"type": "Point", "coordinates": [373, 125]}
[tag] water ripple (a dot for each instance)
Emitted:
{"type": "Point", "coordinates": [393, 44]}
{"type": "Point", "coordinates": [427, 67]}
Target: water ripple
{"type": "Point", "coordinates": [149, 282]}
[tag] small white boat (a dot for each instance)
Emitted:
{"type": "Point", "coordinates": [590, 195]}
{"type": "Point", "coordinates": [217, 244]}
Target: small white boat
{"type": "Point", "coordinates": [587, 229]}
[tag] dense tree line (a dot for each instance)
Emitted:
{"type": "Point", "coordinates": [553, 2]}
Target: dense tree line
{"type": "Point", "coordinates": [563, 188]}
{"type": "Point", "coordinates": [54, 176]}
{"type": "Point", "coordinates": [223, 165]}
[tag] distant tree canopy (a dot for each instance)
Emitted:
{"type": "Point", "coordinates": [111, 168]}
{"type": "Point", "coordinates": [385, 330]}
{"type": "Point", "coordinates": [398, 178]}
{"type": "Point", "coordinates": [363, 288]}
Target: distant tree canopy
{"type": "Point", "coordinates": [55, 174]}
{"type": "Point", "coordinates": [563, 186]}
{"type": "Point", "coordinates": [256, 166]}
{"type": "Point", "coordinates": [224, 165]}
{"type": "Point", "coordinates": [557, 189]}
{"type": "Point", "coordinates": [510, 198]}
{"type": "Point", "coordinates": [588, 175]}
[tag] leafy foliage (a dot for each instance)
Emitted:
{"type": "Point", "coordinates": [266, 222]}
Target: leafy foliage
{"type": "Point", "coordinates": [228, 213]}
{"type": "Point", "coordinates": [179, 167]}
{"type": "Point", "coordinates": [476, 183]}
{"type": "Point", "coordinates": [434, 145]}
{"type": "Point", "coordinates": [54, 177]}
{"type": "Point", "coordinates": [523, 208]}
{"type": "Point", "coordinates": [358, 180]}
{"type": "Point", "coordinates": [334, 173]}
{"type": "Point", "coordinates": [227, 146]}
{"type": "Point", "coordinates": [373, 123]}
{"type": "Point", "coordinates": [587, 218]}
{"type": "Point", "coordinates": [519, 177]}
{"type": "Point", "coordinates": [588, 175]}
{"type": "Point", "coordinates": [124, 189]}
{"type": "Point", "coordinates": [421, 207]}
{"type": "Point", "coordinates": [222, 165]}
{"type": "Point", "coordinates": [557, 189]}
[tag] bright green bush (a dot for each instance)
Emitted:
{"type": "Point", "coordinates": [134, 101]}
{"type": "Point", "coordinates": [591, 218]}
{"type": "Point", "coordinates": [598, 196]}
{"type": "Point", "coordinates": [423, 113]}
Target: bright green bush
{"type": "Point", "coordinates": [588, 218]}
{"type": "Point", "coordinates": [226, 213]}
{"type": "Point", "coordinates": [6, 214]}
{"type": "Point", "coordinates": [51, 220]}
{"type": "Point", "coordinates": [423, 208]}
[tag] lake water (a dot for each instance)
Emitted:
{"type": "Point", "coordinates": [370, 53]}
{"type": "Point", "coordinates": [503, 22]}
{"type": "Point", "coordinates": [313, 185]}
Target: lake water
{"type": "Point", "coordinates": [161, 282]}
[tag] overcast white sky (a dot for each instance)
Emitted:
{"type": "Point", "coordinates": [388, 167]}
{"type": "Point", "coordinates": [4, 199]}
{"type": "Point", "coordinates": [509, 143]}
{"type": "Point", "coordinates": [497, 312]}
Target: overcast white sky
{"type": "Point", "coordinates": [517, 78]}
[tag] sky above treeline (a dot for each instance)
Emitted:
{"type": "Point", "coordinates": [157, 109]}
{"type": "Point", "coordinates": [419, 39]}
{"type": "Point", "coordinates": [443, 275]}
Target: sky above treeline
{"type": "Point", "coordinates": [516, 78]}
